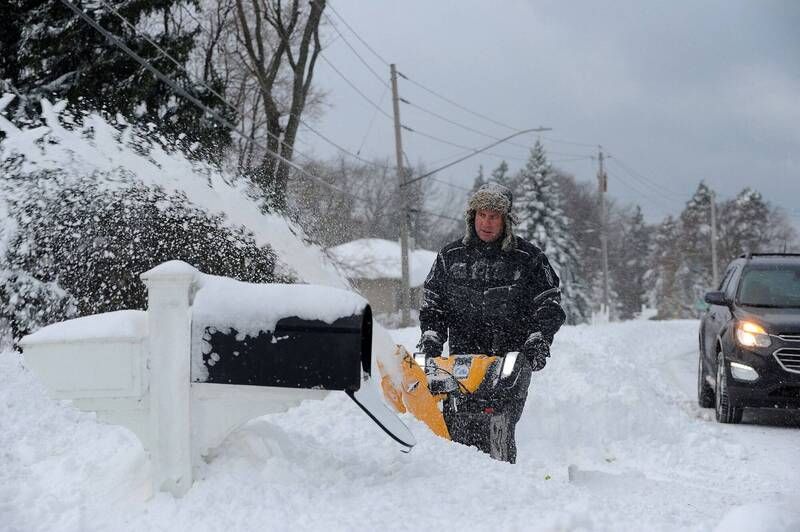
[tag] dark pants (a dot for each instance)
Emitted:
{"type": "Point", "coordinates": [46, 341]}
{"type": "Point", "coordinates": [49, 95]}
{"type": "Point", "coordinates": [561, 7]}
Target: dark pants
{"type": "Point", "coordinates": [492, 432]}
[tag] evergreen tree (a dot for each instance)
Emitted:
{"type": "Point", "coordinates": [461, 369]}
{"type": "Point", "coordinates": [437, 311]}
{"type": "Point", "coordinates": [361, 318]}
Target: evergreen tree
{"type": "Point", "coordinates": [479, 180]}
{"type": "Point", "coordinates": [59, 56]}
{"type": "Point", "coordinates": [543, 221]}
{"type": "Point", "coordinates": [665, 260]}
{"type": "Point", "coordinates": [581, 205]}
{"type": "Point", "coordinates": [632, 264]}
{"type": "Point", "coordinates": [743, 223]}
{"type": "Point", "coordinates": [694, 277]}
{"type": "Point", "coordinates": [500, 175]}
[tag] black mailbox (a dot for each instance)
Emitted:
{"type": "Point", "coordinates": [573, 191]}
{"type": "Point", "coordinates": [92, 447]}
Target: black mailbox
{"type": "Point", "coordinates": [298, 353]}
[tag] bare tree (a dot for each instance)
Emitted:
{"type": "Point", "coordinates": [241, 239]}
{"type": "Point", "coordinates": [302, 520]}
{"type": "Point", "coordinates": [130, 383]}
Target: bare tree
{"type": "Point", "coordinates": [279, 38]}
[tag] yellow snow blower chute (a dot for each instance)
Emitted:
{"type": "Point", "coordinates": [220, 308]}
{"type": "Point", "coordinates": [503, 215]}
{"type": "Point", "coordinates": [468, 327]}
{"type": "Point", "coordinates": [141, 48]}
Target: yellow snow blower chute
{"type": "Point", "coordinates": [457, 396]}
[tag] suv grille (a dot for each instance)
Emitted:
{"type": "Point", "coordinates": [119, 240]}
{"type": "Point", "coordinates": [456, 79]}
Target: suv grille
{"type": "Point", "coordinates": [788, 358]}
{"type": "Point", "coordinates": [789, 337]}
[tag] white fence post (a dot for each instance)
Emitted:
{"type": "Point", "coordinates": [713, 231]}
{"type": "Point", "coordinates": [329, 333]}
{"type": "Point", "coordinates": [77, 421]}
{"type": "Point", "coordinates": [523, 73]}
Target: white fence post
{"type": "Point", "coordinates": [169, 289]}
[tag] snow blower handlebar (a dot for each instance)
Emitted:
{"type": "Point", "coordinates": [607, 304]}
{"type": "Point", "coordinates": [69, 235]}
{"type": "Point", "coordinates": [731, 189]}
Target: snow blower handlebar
{"type": "Point", "coordinates": [471, 374]}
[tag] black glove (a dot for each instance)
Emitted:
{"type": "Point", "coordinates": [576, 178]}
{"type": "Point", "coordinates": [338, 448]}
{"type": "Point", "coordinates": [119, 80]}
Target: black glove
{"type": "Point", "coordinates": [430, 344]}
{"type": "Point", "coordinates": [536, 350]}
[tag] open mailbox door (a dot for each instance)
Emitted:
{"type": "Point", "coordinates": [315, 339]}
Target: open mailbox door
{"type": "Point", "coordinates": [298, 352]}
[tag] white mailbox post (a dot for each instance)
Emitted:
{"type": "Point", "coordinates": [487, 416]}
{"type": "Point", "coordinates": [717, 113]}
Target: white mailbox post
{"type": "Point", "coordinates": [135, 368]}
{"type": "Point", "coordinates": [169, 289]}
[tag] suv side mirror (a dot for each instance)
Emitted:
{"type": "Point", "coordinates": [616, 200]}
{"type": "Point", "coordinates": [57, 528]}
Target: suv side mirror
{"type": "Point", "coordinates": [716, 298]}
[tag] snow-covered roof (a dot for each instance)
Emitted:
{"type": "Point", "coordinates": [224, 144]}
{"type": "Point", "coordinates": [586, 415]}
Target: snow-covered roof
{"type": "Point", "coordinates": [375, 258]}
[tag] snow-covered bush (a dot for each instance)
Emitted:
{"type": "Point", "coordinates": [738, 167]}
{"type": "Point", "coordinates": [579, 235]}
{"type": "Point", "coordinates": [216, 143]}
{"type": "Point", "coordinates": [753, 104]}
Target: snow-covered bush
{"type": "Point", "coordinates": [26, 303]}
{"type": "Point", "coordinates": [79, 246]}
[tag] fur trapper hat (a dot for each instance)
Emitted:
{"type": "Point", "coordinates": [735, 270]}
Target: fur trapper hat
{"type": "Point", "coordinates": [492, 197]}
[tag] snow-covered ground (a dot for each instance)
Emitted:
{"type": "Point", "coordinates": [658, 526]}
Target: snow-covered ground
{"type": "Point", "coordinates": [616, 401]}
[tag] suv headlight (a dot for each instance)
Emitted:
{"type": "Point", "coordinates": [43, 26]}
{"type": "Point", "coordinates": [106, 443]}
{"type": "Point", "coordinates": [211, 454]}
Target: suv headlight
{"type": "Point", "coordinates": [750, 334]}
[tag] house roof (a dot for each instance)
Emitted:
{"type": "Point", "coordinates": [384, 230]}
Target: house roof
{"type": "Point", "coordinates": [375, 258]}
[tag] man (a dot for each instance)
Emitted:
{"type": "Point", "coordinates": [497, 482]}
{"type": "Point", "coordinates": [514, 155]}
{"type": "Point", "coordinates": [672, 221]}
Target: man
{"type": "Point", "coordinates": [492, 292]}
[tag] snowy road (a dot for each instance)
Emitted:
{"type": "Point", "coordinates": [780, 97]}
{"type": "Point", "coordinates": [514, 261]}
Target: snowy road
{"type": "Point", "coordinates": [616, 402]}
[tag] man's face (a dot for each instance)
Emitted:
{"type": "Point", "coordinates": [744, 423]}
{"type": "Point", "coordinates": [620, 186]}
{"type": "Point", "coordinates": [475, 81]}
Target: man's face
{"type": "Point", "coordinates": [488, 225]}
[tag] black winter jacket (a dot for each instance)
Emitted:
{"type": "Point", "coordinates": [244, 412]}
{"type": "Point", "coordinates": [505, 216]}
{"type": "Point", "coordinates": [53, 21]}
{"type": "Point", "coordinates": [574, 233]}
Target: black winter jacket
{"type": "Point", "coordinates": [487, 300]}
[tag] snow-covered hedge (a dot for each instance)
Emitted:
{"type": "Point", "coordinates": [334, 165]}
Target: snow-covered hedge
{"type": "Point", "coordinates": [79, 247]}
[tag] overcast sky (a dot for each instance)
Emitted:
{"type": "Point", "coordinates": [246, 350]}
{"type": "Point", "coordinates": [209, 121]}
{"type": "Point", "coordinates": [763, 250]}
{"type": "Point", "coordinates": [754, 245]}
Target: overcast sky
{"type": "Point", "coordinates": [674, 91]}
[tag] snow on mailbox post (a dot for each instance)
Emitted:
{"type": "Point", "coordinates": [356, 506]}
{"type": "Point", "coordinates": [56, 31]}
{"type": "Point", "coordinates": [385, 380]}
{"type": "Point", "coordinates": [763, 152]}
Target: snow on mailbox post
{"type": "Point", "coordinates": [209, 354]}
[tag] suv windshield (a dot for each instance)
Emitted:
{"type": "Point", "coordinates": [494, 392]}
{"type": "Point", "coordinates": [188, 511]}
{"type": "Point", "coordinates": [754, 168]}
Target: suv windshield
{"type": "Point", "coordinates": [771, 286]}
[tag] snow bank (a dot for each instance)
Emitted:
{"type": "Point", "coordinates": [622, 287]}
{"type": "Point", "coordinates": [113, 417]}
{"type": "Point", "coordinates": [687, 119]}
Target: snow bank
{"type": "Point", "coordinates": [761, 517]}
{"type": "Point", "coordinates": [616, 401]}
{"type": "Point", "coordinates": [61, 469]}
{"type": "Point", "coordinates": [375, 258]}
{"type": "Point", "coordinates": [108, 152]}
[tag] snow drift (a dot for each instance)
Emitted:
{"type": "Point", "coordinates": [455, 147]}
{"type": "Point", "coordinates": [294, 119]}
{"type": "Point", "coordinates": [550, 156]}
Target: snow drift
{"type": "Point", "coordinates": [615, 401]}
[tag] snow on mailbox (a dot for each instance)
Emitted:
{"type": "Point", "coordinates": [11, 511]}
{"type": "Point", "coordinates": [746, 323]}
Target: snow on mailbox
{"type": "Point", "coordinates": [209, 354]}
{"type": "Point", "coordinates": [294, 336]}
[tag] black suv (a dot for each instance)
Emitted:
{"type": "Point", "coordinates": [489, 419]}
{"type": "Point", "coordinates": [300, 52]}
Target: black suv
{"type": "Point", "coordinates": [750, 337]}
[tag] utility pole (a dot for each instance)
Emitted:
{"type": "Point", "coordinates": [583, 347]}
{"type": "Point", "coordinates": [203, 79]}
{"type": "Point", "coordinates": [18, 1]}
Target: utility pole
{"type": "Point", "coordinates": [714, 265]}
{"type": "Point", "coordinates": [405, 288]}
{"type": "Point", "coordinates": [602, 182]}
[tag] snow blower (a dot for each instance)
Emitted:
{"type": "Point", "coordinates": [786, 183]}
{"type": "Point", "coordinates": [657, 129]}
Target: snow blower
{"type": "Point", "coordinates": [465, 398]}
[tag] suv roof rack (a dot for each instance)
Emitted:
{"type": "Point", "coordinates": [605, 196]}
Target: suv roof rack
{"type": "Point", "coordinates": [749, 256]}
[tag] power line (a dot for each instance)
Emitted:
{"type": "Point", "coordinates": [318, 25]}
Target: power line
{"type": "Point", "coordinates": [643, 179]}
{"type": "Point", "coordinates": [363, 61]}
{"type": "Point", "coordinates": [482, 133]}
{"type": "Point", "coordinates": [448, 157]}
{"type": "Point", "coordinates": [451, 102]}
{"type": "Point", "coordinates": [342, 149]}
{"type": "Point", "coordinates": [183, 93]}
{"type": "Point", "coordinates": [475, 152]}
{"type": "Point", "coordinates": [571, 159]}
{"type": "Point", "coordinates": [451, 185]}
{"type": "Point", "coordinates": [654, 200]}
{"type": "Point", "coordinates": [573, 143]}
{"type": "Point", "coordinates": [384, 113]}
{"type": "Point", "coordinates": [456, 145]}
{"type": "Point", "coordinates": [453, 122]}
{"type": "Point", "coordinates": [569, 154]}
{"type": "Point", "coordinates": [371, 122]}
{"type": "Point", "coordinates": [381, 59]}
{"type": "Point", "coordinates": [407, 128]}
{"type": "Point", "coordinates": [355, 88]}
